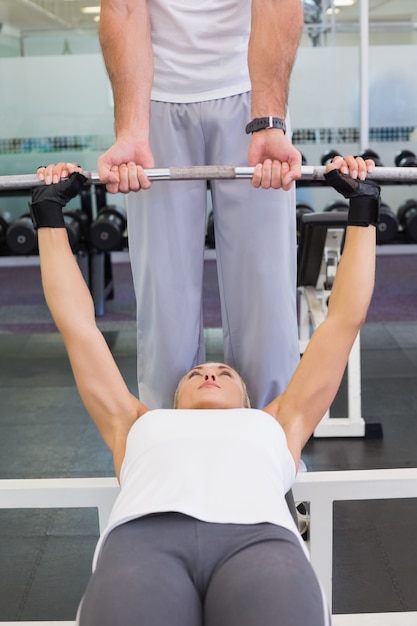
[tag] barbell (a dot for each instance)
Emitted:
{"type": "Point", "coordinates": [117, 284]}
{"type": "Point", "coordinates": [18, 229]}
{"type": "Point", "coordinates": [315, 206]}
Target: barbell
{"type": "Point", "coordinates": [216, 172]}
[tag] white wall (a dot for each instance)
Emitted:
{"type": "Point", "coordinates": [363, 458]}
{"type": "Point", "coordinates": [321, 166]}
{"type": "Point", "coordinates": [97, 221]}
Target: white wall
{"type": "Point", "coordinates": [70, 96]}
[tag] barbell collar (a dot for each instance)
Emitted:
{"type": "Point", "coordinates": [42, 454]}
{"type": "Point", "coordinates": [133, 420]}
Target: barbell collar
{"type": "Point", "coordinates": [216, 172]}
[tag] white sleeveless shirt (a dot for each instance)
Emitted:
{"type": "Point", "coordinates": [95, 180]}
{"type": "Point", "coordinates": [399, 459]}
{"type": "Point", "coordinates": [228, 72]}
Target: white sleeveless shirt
{"type": "Point", "coordinates": [222, 466]}
{"type": "Point", "coordinates": [200, 49]}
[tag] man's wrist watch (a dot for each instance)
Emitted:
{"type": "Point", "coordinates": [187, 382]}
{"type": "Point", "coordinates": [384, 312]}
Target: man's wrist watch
{"type": "Point", "coordinates": [259, 123]}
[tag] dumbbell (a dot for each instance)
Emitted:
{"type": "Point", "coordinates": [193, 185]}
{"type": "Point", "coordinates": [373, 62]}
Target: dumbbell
{"type": "Point", "coordinates": [6, 220]}
{"type": "Point", "coordinates": [405, 158]}
{"type": "Point", "coordinates": [86, 201]}
{"type": "Point", "coordinates": [407, 216]}
{"type": "Point", "coordinates": [106, 232]}
{"type": "Point", "coordinates": [301, 209]}
{"type": "Point", "coordinates": [336, 205]}
{"type": "Point", "coordinates": [328, 156]}
{"type": "Point", "coordinates": [371, 154]}
{"type": "Point", "coordinates": [101, 197]}
{"type": "Point", "coordinates": [387, 228]}
{"type": "Point", "coordinates": [210, 238]}
{"type": "Point", "coordinates": [77, 224]}
{"type": "Point", "coordinates": [21, 236]}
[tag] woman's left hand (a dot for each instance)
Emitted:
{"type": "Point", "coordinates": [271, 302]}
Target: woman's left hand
{"type": "Point", "coordinates": [356, 167]}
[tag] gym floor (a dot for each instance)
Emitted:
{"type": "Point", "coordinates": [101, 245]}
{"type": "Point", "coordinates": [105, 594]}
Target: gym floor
{"type": "Point", "coordinates": [45, 555]}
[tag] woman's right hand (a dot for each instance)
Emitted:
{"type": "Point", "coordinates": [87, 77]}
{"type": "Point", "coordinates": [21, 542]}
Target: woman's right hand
{"type": "Point", "coordinates": [53, 173]}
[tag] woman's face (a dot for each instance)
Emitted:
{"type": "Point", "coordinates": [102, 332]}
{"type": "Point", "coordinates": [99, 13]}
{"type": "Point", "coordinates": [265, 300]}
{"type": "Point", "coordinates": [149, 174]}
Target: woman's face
{"type": "Point", "coordinates": [211, 386]}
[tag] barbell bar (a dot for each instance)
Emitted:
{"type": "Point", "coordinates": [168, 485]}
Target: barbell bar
{"type": "Point", "coordinates": [215, 172]}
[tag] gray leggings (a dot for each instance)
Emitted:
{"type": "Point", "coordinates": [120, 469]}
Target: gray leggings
{"type": "Point", "coordinates": [173, 570]}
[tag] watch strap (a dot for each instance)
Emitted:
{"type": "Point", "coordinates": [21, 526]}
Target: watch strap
{"type": "Point", "coordinates": [260, 123]}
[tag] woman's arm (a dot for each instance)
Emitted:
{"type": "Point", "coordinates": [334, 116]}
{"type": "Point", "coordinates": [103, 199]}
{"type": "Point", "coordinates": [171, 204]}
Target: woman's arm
{"type": "Point", "coordinates": [317, 378]}
{"type": "Point", "coordinates": [105, 395]}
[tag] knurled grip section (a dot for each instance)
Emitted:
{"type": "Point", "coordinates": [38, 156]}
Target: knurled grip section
{"type": "Point", "coordinates": [208, 172]}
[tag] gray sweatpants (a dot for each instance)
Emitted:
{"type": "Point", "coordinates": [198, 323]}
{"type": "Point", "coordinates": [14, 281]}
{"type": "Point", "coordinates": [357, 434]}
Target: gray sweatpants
{"type": "Point", "coordinates": [173, 570]}
{"type": "Point", "coordinates": [255, 233]}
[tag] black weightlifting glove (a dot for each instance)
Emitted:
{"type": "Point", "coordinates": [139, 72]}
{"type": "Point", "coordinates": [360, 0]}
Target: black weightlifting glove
{"type": "Point", "coordinates": [364, 196]}
{"type": "Point", "coordinates": [48, 201]}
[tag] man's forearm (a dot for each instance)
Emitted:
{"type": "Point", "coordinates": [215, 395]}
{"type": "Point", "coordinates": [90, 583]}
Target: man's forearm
{"type": "Point", "coordinates": [125, 40]}
{"type": "Point", "coordinates": [276, 29]}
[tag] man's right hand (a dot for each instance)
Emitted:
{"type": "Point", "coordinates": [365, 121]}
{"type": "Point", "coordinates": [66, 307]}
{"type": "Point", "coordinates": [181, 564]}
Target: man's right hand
{"type": "Point", "coordinates": [121, 167]}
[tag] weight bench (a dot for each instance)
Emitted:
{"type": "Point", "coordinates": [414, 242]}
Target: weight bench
{"type": "Point", "coordinates": [319, 489]}
{"type": "Point", "coordinates": [319, 250]}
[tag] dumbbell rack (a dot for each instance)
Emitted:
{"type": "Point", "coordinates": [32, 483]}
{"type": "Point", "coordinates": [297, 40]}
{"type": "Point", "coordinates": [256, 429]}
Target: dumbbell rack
{"type": "Point", "coordinates": [94, 263]}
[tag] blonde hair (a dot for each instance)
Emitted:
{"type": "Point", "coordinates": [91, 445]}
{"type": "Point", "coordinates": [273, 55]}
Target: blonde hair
{"type": "Point", "coordinates": [246, 399]}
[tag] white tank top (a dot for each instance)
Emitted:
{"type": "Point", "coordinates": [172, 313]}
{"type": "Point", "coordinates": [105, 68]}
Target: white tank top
{"type": "Point", "coordinates": [222, 466]}
{"type": "Point", "coordinates": [200, 49]}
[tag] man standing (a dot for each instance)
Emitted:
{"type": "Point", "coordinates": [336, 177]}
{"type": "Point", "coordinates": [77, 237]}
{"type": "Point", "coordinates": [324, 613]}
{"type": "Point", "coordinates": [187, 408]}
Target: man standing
{"type": "Point", "coordinates": [189, 78]}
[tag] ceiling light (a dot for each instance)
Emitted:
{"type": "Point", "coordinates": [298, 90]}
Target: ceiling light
{"type": "Point", "coordinates": [332, 11]}
{"type": "Point", "coordinates": [343, 3]}
{"type": "Point", "coordinates": [90, 10]}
